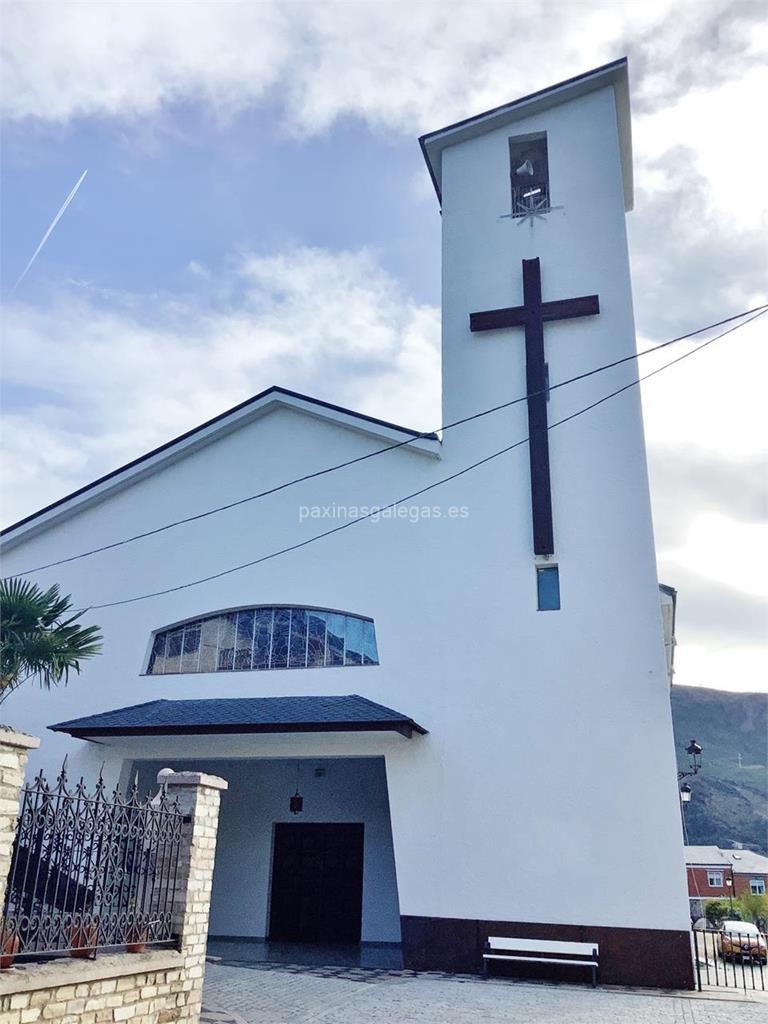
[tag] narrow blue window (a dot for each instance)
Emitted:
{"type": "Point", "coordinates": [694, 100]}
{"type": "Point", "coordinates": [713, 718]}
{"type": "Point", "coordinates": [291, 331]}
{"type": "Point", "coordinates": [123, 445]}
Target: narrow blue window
{"type": "Point", "coordinates": [548, 585]}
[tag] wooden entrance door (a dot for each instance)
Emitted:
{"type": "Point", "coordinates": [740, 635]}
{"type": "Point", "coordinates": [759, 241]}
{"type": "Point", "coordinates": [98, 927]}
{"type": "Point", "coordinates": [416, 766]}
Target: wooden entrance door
{"type": "Point", "coordinates": [317, 883]}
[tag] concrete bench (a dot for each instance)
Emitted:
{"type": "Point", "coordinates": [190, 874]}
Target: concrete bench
{"type": "Point", "coordinates": [542, 951]}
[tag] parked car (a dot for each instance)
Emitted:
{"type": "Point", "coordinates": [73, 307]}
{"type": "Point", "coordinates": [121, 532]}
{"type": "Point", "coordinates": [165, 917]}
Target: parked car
{"type": "Point", "coordinates": [742, 939]}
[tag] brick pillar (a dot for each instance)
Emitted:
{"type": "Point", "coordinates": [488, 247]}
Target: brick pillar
{"type": "Point", "coordinates": [198, 795]}
{"type": "Point", "coordinates": [14, 751]}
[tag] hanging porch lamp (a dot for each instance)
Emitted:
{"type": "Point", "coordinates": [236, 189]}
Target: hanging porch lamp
{"type": "Point", "coordinates": [296, 803]}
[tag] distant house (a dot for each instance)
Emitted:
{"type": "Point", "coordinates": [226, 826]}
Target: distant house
{"type": "Point", "coordinates": [721, 874]}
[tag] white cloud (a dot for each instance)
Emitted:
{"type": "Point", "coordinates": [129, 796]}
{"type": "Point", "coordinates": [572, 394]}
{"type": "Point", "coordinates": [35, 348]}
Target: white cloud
{"type": "Point", "coordinates": [392, 64]}
{"type": "Point", "coordinates": [721, 665]}
{"type": "Point", "coordinates": [697, 79]}
{"type": "Point", "coordinates": [126, 59]}
{"type": "Point", "coordinates": [712, 401]}
{"type": "Point", "coordinates": [724, 550]}
{"type": "Point", "coordinates": [731, 155]}
{"type": "Point", "coordinates": [120, 374]}
{"type": "Point", "coordinates": [696, 68]}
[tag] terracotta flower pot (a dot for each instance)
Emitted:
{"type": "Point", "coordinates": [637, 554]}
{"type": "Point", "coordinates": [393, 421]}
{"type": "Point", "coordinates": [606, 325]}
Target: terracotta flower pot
{"type": "Point", "coordinates": [136, 940]}
{"type": "Point", "coordinates": [83, 940]}
{"type": "Point", "coordinates": [11, 947]}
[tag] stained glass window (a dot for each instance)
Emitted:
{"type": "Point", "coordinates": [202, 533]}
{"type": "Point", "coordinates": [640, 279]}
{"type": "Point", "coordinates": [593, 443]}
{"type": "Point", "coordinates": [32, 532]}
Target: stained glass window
{"type": "Point", "coordinates": [264, 638]}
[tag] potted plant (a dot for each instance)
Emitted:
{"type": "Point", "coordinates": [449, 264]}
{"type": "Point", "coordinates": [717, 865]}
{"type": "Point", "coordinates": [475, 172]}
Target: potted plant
{"type": "Point", "coordinates": [137, 935]}
{"type": "Point", "coordinates": [11, 948]}
{"type": "Point", "coordinates": [84, 938]}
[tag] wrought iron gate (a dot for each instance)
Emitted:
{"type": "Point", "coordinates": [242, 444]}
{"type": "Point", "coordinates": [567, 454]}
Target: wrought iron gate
{"type": "Point", "coordinates": [732, 959]}
{"type": "Point", "coordinates": [90, 871]}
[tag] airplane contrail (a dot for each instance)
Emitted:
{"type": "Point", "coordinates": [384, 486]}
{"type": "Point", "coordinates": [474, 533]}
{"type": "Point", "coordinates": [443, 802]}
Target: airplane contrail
{"type": "Point", "coordinates": [52, 225]}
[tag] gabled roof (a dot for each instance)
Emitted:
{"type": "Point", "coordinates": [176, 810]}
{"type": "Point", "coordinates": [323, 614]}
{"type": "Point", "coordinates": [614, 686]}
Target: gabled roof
{"type": "Point", "coordinates": [615, 74]}
{"type": "Point", "coordinates": [203, 434]}
{"type": "Point", "coordinates": [350, 713]}
{"type": "Point", "coordinates": [705, 856]}
{"type": "Point", "coordinates": [743, 862]}
{"type": "Point", "coordinates": [747, 862]}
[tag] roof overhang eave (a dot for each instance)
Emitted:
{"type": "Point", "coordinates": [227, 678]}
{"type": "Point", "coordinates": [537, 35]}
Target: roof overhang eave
{"type": "Point", "coordinates": [405, 727]}
{"type": "Point", "coordinates": [615, 74]}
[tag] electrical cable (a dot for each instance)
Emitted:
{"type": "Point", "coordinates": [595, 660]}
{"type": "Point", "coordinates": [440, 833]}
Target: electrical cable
{"type": "Point", "coordinates": [380, 451]}
{"type": "Point", "coordinates": [415, 494]}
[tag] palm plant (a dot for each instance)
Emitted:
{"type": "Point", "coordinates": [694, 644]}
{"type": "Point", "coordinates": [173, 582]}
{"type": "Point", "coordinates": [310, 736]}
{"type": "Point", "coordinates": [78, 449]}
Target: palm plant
{"type": "Point", "coordinates": [39, 639]}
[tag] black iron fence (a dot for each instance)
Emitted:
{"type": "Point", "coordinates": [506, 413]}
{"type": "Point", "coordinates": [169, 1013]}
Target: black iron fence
{"type": "Point", "coordinates": [90, 871]}
{"type": "Point", "coordinates": [730, 958]}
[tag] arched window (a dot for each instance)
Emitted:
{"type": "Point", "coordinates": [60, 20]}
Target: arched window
{"type": "Point", "coordinates": [263, 638]}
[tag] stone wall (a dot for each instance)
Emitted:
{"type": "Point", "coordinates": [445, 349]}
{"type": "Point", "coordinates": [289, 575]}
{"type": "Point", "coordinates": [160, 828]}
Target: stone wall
{"type": "Point", "coordinates": [14, 750]}
{"type": "Point", "coordinates": [147, 988]}
{"type": "Point", "coordinates": [156, 987]}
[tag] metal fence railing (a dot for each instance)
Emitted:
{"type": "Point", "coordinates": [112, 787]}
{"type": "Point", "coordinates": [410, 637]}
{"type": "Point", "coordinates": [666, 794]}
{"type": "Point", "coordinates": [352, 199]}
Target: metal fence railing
{"type": "Point", "coordinates": [90, 871]}
{"type": "Point", "coordinates": [730, 959]}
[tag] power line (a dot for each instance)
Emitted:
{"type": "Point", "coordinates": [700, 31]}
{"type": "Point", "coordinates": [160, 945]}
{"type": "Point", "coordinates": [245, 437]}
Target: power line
{"type": "Point", "coordinates": [381, 451]}
{"type": "Point", "coordinates": [415, 494]}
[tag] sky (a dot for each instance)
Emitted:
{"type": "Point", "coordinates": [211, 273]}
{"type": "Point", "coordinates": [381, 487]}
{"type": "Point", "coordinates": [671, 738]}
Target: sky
{"type": "Point", "coordinates": [256, 212]}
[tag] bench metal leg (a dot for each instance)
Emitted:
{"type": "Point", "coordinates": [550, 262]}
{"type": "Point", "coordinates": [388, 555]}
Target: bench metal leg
{"type": "Point", "coordinates": [594, 977]}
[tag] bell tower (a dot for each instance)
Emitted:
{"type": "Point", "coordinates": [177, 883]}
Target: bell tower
{"type": "Point", "coordinates": [536, 282]}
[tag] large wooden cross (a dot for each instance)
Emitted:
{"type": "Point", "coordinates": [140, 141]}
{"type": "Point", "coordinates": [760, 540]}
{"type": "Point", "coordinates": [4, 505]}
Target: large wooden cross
{"type": "Point", "coordinates": [532, 315]}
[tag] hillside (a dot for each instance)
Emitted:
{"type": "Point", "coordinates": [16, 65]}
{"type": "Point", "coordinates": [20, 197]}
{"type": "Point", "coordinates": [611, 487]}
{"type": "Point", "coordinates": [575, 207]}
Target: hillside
{"type": "Point", "coordinates": [730, 794]}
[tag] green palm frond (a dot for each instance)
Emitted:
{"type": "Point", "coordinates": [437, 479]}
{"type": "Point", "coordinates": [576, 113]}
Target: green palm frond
{"type": "Point", "coordinates": [38, 638]}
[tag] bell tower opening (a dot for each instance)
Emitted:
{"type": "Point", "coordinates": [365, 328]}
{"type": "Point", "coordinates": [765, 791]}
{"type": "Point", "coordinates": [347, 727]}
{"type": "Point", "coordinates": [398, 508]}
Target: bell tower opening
{"type": "Point", "coordinates": [529, 173]}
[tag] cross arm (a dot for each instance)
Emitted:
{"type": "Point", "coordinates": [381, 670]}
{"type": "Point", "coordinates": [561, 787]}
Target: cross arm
{"type": "Point", "coordinates": [567, 309]}
{"type": "Point", "coordinates": [492, 319]}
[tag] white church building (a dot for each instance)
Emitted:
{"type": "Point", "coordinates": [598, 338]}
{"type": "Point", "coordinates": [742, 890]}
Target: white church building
{"type": "Point", "coordinates": [450, 720]}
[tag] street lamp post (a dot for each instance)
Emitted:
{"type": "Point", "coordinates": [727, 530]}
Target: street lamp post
{"type": "Point", "coordinates": [694, 767]}
{"type": "Point", "coordinates": [729, 887]}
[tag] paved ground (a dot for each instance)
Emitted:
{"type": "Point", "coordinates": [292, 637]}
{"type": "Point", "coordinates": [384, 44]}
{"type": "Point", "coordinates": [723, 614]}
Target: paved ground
{"type": "Point", "coordinates": [271, 994]}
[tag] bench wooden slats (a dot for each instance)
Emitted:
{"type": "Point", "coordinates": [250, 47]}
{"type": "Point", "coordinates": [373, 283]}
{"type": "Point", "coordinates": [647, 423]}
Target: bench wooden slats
{"type": "Point", "coordinates": [543, 946]}
{"type": "Point", "coordinates": [579, 954]}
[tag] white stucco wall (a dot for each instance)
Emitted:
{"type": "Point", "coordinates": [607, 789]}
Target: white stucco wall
{"type": "Point", "coordinates": [546, 788]}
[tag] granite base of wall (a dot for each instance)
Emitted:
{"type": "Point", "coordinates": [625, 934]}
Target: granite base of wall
{"type": "Point", "coordinates": [146, 988]}
{"type": "Point", "coordinates": [643, 957]}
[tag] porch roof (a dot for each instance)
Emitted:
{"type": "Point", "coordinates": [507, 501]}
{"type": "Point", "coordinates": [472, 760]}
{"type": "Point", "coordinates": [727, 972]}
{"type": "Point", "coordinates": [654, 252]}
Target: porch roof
{"type": "Point", "coordinates": [350, 713]}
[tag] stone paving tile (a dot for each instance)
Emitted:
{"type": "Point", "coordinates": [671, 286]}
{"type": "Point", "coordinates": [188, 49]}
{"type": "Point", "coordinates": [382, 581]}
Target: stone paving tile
{"type": "Point", "coordinates": [210, 1016]}
{"type": "Point", "coordinates": [267, 994]}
